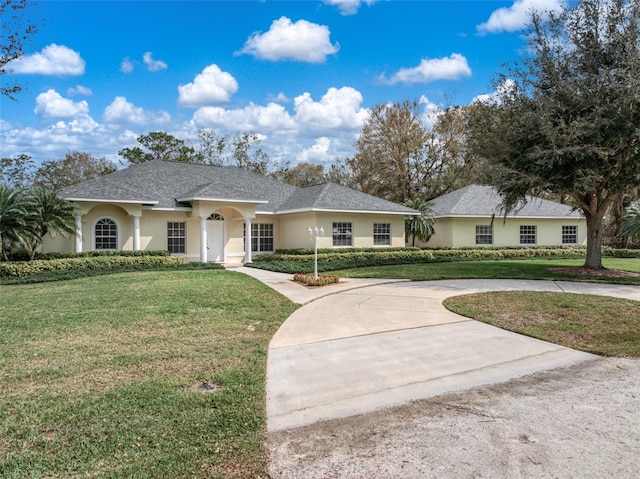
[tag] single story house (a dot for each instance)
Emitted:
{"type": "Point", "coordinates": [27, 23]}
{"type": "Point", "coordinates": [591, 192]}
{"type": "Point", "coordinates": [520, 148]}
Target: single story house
{"type": "Point", "coordinates": [204, 212]}
{"type": "Point", "coordinates": [473, 216]}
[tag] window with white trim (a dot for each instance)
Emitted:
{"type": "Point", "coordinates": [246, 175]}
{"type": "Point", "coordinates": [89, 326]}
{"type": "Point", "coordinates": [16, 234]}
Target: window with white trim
{"type": "Point", "coordinates": [484, 234]}
{"type": "Point", "coordinates": [382, 234]}
{"type": "Point", "coordinates": [105, 234]}
{"type": "Point", "coordinates": [176, 236]}
{"type": "Point", "coordinates": [342, 234]}
{"type": "Point", "coordinates": [527, 234]}
{"type": "Point", "coordinates": [569, 234]}
{"type": "Point", "coordinates": [261, 237]}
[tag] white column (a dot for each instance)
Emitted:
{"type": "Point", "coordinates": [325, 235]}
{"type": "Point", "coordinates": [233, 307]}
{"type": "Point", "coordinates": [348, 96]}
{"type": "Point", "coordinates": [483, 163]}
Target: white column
{"type": "Point", "coordinates": [247, 241]}
{"type": "Point", "coordinates": [136, 233]}
{"type": "Point", "coordinates": [203, 240]}
{"type": "Point", "coordinates": [78, 235]}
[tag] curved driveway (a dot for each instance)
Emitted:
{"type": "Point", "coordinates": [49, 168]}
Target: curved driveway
{"type": "Point", "coordinates": [377, 344]}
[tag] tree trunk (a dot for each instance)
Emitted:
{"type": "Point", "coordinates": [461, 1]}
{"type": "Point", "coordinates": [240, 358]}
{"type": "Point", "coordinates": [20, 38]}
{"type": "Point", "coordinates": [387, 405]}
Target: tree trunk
{"type": "Point", "coordinates": [594, 240]}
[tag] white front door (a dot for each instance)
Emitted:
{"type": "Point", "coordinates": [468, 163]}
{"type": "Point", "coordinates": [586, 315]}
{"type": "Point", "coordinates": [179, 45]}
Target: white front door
{"type": "Point", "coordinates": [215, 239]}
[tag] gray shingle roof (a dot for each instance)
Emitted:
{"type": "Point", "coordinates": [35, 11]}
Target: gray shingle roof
{"type": "Point", "coordinates": [476, 200]}
{"type": "Point", "coordinates": [329, 196]}
{"type": "Point", "coordinates": [169, 184]}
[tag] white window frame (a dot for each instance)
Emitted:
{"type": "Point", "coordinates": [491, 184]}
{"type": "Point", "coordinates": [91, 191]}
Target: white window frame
{"type": "Point", "coordinates": [528, 233]}
{"type": "Point", "coordinates": [484, 232]}
{"type": "Point", "coordinates": [381, 234]}
{"type": "Point", "coordinates": [342, 233]}
{"type": "Point", "coordinates": [260, 235]}
{"type": "Point", "coordinates": [179, 227]}
{"type": "Point", "coordinates": [569, 237]}
{"type": "Point", "coordinates": [95, 236]}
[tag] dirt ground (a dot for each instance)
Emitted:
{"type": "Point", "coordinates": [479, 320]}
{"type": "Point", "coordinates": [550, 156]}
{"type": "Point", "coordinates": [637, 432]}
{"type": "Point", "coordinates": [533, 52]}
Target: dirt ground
{"type": "Point", "coordinates": [578, 422]}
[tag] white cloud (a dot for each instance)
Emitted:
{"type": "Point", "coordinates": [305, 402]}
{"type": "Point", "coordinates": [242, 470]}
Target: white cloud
{"type": "Point", "coordinates": [431, 112]}
{"type": "Point", "coordinates": [79, 90]}
{"type": "Point", "coordinates": [338, 108]}
{"type": "Point", "coordinates": [517, 16]}
{"type": "Point", "coordinates": [52, 60]}
{"type": "Point", "coordinates": [302, 41]}
{"type": "Point", "coordinates": [279, 98]}
{"type": "Point", "coordinates": [338, 111]}
{"type": "Point", "coordinates": [272, 117]}
{"type": "Point", "coordinates": [153, 65]}
{"type": "Point", "coordinates": [348, 7]}
{"type": "Point", "coordinates": [52, 105]}
{"type": "Point", "coordinates": [212, 86]}
{"type": "Point", "coordinates": [495, 98]}
{"type": "Point", "coordinates": [319, 152]}
{"type": "Point", "coordinates": [127, 65]}
{"type": "Point", "coordinates": [453, 67]}
{"type": "Point", "coordinates": [121, 111]}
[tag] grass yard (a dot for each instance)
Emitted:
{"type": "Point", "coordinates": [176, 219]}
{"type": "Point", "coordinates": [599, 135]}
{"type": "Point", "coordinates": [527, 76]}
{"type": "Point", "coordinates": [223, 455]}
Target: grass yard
{"type": "Point", "coordinates": [100, 376]}
{"type": "Point", "coordinates": [595, 324]}
{"type": "Point", "coordinates": [486, 269]}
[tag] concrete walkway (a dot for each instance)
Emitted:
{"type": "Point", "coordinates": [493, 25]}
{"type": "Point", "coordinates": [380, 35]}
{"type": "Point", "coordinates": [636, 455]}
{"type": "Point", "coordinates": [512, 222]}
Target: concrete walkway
{"type": "Point", "coordinates": [363, 345]}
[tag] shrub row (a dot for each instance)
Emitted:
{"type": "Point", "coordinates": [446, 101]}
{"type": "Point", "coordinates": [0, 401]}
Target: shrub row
{"type": "Point", "coordinates": [343, 259]}
{"type": "Point", "coordinates": [21, 269]}
{"type": "Point", "coordinates": [621, 253]}
{"type": "Point", "coordinates": [21, 255]}
{"type": "Point", "coordinates": [307, 251]}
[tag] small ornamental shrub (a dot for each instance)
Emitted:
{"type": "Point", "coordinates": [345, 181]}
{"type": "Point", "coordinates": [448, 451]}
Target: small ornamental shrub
{"type": "Point", "coordinates": [309, 280]}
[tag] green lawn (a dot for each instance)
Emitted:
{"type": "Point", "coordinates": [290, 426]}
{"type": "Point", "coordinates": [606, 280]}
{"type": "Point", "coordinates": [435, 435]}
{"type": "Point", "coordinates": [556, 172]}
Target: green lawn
{"type": "Point", "coordinates": [100, 376]}
{"type": "Point", "coordinates": [595, 324]}
{"type": "Point", "coordinates": [486, 269]}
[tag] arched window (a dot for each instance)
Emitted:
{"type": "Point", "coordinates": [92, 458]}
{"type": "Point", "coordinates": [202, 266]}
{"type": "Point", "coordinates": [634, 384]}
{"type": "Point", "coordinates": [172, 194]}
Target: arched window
{"type": "Point", "coordinates": [105, 234]}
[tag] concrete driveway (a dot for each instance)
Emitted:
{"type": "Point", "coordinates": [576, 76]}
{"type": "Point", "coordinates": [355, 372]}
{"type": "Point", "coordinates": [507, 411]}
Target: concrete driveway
{"type": "Point", "coordinates": [365, 345]}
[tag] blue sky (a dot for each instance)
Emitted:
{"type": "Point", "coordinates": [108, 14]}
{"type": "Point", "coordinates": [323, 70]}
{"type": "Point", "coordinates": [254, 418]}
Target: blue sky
{"type": "Point", "coordinates": [303, 75]}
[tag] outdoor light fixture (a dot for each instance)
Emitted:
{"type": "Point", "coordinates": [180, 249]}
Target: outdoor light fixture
{"type": "Point", "coordinates": [314, 234]}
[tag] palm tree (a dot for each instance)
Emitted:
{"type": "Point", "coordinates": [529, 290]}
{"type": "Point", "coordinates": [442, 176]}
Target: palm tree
{"type": "Point", "coordinates": [419, 227]}
{"type": "Point", "coordinates": [50, 214]}
{"type": "Point", "coordinates": [14, 217]}
{"type": "Point", "coordinates": [630, 221]}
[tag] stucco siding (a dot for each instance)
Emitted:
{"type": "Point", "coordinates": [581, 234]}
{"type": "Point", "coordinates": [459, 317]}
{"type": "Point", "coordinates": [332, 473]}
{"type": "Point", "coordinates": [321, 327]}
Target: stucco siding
{"type": "Point", "coordinates": [461, 232]}
{"type": "Point", "coordinates": [294, 228]}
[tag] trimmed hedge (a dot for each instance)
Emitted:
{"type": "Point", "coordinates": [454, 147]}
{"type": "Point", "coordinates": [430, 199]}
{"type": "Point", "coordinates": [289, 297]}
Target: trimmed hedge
{"type": "Point", "coordinates": [21, 269]}
{"type": "Point", "coordinates": [301, 261]}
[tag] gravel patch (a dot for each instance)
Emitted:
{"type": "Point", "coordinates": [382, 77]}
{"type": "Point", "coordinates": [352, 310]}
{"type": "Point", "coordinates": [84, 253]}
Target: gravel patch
{"type": "Point", "coordinates": [575, 422]}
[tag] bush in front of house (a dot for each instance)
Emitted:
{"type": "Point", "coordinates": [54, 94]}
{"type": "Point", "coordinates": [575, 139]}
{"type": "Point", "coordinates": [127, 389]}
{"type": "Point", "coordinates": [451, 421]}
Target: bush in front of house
{"type": "Point", "coordinates": [301, 261]}
{"type": "Point", "coordinates": [80, 266]}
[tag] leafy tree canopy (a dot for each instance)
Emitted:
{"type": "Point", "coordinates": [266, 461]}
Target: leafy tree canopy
{"type": "Point", "coordinates": [16, 31]}
{"type": "Point", "coordinates": [73, 168]}
{"type": "Point", "coordinates": [400, 156]}
{"type": "Point", "coordinates": [159, 145]}
{"type": "Point", "coordinates": [566, 119]}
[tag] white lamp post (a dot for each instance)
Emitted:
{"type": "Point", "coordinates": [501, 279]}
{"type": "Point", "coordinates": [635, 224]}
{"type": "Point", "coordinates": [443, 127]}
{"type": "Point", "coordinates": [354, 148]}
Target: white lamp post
{"type": "Point", "coordinates": [314, 233]}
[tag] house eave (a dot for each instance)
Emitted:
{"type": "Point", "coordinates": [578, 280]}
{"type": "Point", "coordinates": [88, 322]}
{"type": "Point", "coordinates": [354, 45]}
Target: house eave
{"type": "Point", "coordinates": [221, 200]}
{"type": "Point", "coordinates": [522, 217]}
{"type": "Point", "coordinates": [332, 210]}
{"type": "Point", "coordinates": [112, 201]}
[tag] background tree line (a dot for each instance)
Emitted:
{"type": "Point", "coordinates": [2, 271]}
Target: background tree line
{"type": "Point", "coordinates": [563, 124]}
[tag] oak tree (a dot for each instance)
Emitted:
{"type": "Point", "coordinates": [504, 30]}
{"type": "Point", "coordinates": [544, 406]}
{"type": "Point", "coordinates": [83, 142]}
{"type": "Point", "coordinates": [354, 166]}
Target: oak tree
{"type": "Point", "coordinates": [566, 119]}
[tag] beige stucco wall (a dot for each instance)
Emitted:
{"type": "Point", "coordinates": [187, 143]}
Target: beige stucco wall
{"type": "Point", "coordinates": [293, 228]}
{"type": "Point", "coordinates": [461, 232]}
{"type": "Point", "coordinates": [290, 231]}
